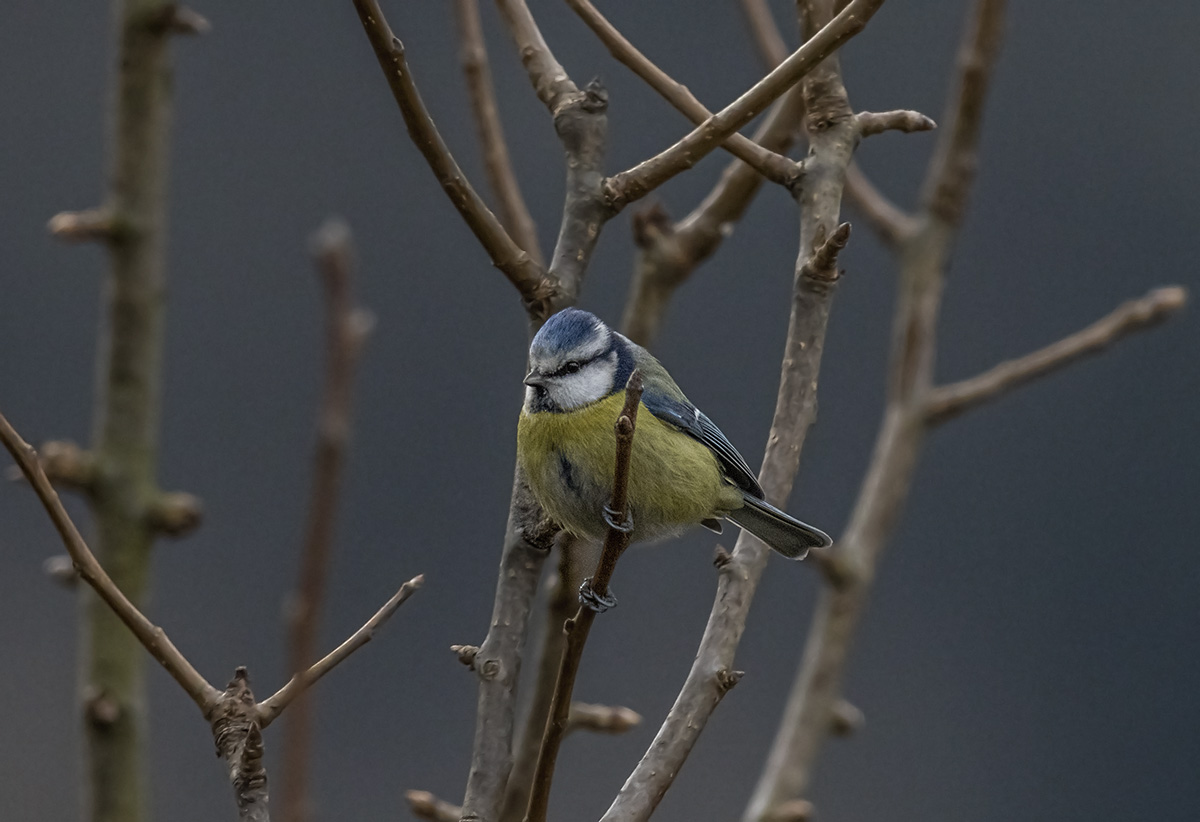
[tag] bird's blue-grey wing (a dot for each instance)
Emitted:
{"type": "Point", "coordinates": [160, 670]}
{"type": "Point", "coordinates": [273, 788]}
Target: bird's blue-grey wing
{"type": "Point", "coordinates": [693, 422]}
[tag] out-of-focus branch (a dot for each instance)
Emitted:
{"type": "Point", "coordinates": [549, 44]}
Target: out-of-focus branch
{"type": "Point", "coordinates": [947, 401]}
{"type": "Point", "coordinates": [889, 222]}
{"type": "Point", "coordinates": [877, 122]}
{"type": "Point", "coordinates": [604, 719]}
{"type": "Point", "coordinates": [518, 266]}
{"type": "Point", "coordinates": [807, 719]}
{"type": "Point", "coordinates": [832, 133]}
{"type": "Point", "coordinates": [765, 32]}
{"type": "Point", "coordinates": [346, 329]}
{"type": "Point", "coordinates": [514, 215]}
{"type": "Point", "coordinates": [578, 627]}
{"type": "Point", "coordinates": [627, 186]}
{"type": "Point", "coordinates": [771, 165]}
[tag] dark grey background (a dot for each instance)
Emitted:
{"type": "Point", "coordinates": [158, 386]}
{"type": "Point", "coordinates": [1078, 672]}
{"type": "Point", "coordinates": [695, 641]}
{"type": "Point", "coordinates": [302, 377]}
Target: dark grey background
{"type": "Point", "coordinates": [1031, 651]}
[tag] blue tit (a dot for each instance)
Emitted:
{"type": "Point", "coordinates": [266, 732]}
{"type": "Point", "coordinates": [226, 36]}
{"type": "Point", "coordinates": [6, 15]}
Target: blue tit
{"type": "Point", "coordinates": [683, 470]}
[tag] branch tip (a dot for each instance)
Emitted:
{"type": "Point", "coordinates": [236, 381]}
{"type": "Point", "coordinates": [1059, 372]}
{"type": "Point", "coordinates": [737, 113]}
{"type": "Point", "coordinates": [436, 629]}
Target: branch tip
{"type": "Point", "coordinates": [175, 513]}
{"type": "Point", "coordinates": [466, 654]}
{"type": "Point", "coordinates": [726, 679]}
{"type": "Point", "coordinates": [793, 810]}
{"type": "Point", "coordinates": [82, 226]}
{"type": "Point", "coordinates": [871, 123]}
{"type": "Point", "coordinates": [61, 570]}
{"type": "Point", "coordinates": [425, 805]}
{"type": "Point", "coordinates": [178, 19]}
{"type": "Point", "coordinates": [608, 719]}
{"type": "Point", "coordinates": [846, 719]}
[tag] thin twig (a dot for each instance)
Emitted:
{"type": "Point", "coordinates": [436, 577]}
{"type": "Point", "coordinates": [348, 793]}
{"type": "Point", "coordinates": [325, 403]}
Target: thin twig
{"type": "Point", "coordinates": [514, 214]}
{"type": "Point", "coordinates": [578, 627]}
{"type": "Point", "coordinates": [604, 719]}
{"type": "Point", "coordinates": [637, 182]}
{"type": "Point", "coordinates": [550, 80]}
{"type": "Point", "coordinates": [346, 329]}
{"type": "Point", "coordinates": [947, 401]}
{"type": "Point", "coordinates": [877, 122]}
{"type": "Point", "coordinates": [522, 271]}
{"type": "Point", "coordinates": [270, 709]}
{"type": "Point", "coordinates": [773, 166]}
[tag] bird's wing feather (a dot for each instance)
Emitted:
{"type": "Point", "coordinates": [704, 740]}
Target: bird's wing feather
{"type": "Point", "coordinates": [692, 421]}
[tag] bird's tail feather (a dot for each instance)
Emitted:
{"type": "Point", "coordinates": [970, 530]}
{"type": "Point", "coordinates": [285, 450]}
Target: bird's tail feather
{"type": "Point", "coordinates": [786, 534]}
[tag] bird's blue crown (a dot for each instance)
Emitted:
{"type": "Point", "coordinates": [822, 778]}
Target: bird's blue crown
{"type": "Point", "coordinates": [567, 330]}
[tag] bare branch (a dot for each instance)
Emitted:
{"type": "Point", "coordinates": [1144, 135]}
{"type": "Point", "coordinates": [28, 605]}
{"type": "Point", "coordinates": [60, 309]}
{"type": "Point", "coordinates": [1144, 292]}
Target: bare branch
{"type": "Point", "coordinates": [871, 123]}
{"type": "Point", "coordinates": [771, 165]}
{"type": "Point", "coordinates": [425, 805]}
{"type": "Point", "coordinates": [578, 627]}
{"type": "Point", "coordinates": [765, 32]}
{"type": "Point", "coordinates": [808, 717]}
{"type": "Point", "coordinates": [269, 709]}
{"type": "Point", "coordinates": [948, 401]}
{"type": "Point", "coordinates": [514, 214]}
{"type": "Point", "coordinates": [832, 137]}
{"type": "Point", "coordinates": [891, 223]}
{"type": "Point", "coordinates": [346, 329]}
{"type": "Point", "coordinates": [527, 276]}
{"type": "Point", "coordinates": [635, 183]}
{"type": "Point", "coordinates": [153, 638]}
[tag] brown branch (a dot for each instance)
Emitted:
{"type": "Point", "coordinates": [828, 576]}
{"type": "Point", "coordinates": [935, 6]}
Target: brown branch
{"type": "Point", "coordinates": [832, 137]}
{"type": "Point", "coordinates": [550, 80]}
{"type": "Point", "coordinates": [947, 401]}
{"type": "Point", "coordinates": [514, 214]}
{"type": "Point", "coordinates": [578, 627]}
{"type": "Point", "coordinates": [237, 732]}
{"type": "Point", "coordinates": [522, 271]}
{"type": "Point", "coordinates": [346, 329]}
{"type": "Point", "coordinates": [627, 186]}
{"type": "Point", "coordinates": [81, 226]}
{"type": "Point", "coordinates": [765, 32]}
{"type": "Point", "coordinates": [889, 222]}
{"type": "Point", "coordinates": [773, 166]}
{"type": "Point", "coordinates": [270, 709]}
{"type": "Point", "coordinates": [808, 716]}
{"type": "Point", "coordinates": [150, 635]}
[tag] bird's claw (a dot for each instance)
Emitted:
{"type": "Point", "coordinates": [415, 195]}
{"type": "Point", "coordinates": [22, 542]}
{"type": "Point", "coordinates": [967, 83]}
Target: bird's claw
{"type": "Point", "coordinates": [596, 602]}
{"type": "Point", "coordinates": [618, 521]}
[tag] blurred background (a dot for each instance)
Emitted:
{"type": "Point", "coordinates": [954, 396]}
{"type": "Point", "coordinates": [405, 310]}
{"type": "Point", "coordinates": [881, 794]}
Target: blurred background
{"type": "Point", "coordinates": [1032, 650]}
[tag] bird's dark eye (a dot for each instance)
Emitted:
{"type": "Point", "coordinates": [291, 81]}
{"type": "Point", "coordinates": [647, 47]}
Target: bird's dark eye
{"type": "Point", "coordinates": [571, 367]}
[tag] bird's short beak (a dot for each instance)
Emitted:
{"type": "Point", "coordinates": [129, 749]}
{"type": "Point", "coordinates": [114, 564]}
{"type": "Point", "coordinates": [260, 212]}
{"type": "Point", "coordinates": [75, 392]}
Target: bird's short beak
{"type": "Point", "coordinates": [534, 379]}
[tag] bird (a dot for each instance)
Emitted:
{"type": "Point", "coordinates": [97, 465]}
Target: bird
{"type": "Point", "coordinates": [683, 470]}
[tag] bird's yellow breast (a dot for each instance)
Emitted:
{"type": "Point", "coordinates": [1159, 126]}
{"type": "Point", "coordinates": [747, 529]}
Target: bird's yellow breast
{"type": "Point", "coordinates": [569, 458]}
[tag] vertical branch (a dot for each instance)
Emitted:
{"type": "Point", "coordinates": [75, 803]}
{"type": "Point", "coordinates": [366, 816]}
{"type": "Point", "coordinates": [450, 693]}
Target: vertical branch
{"type": "Point", "coordinates": [346, 328]}
{"type": "Point", "coordinates": [124, 494]}
{"type": "Point", "coordinates": [514, 215]}
{"type": "Point", "coordinates": [923, 255]}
